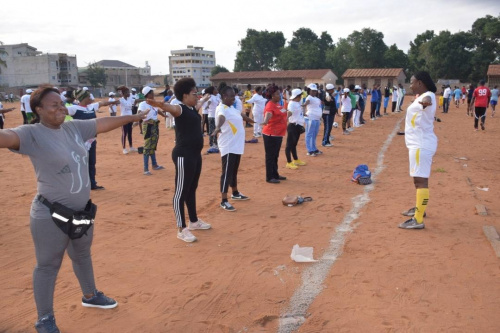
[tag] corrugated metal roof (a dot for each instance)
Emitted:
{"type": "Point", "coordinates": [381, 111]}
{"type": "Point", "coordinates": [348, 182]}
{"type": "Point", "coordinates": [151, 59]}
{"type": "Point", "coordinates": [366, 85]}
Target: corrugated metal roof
{"type": "Point", "coordinates": [494, 70]}
{"type": "Point", "coordinates": [300, 74]}
{"type": "Point", "coordinates": [114, 63]}
{"type": "Point", "coordinates": [372, 72]}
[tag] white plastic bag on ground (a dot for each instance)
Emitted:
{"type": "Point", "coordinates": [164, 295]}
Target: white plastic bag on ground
{"type": "Point", "coordinates": [302, 254]}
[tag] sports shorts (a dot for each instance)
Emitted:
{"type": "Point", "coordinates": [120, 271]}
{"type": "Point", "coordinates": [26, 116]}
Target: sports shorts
{"type": "Point", "coordinates": [493, 102]}
{"type": "Point", "coordinates": [420, 162]}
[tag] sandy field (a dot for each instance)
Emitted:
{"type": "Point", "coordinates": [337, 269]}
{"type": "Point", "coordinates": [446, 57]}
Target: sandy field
{"type": "Point", "coordinates": [238, 277]}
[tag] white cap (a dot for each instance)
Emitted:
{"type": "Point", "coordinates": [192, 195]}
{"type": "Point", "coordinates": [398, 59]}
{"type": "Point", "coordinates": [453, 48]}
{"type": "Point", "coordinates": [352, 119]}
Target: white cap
{"type": "Point", "coordinates": [85, 88]}
{"type": "Point", "coordinates": [346, 90]}
{"type": "Point", "coordinates": [63, 93]}
{"type": "Point", "coordinates": [295, 93]}
{"type": "Point", "coordinates": [29, 91]}
{"type": "Point", "coordinates": [146, 90]}
{"type": "Point", "coordinates": [203, 92]}
{"type": "Point", "coordinates": [330, 86]}
{"type": "Point", "coordinates": [357, 87]}
{"type": "Point", "coordinates": [312, 86]}
{"type": "Point", "coordinates": [111, 94]}
{"type": "Point", "coordinates": [133, 89]}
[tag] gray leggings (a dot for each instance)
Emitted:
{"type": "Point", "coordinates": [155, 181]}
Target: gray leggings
{"type": "Point", "coordinates": [50, 245]}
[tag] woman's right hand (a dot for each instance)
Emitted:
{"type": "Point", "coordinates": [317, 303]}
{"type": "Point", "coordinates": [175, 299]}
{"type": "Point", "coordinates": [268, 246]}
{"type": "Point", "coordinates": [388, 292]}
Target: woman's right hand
{"type": "Point", "coordinates": [142, 114]}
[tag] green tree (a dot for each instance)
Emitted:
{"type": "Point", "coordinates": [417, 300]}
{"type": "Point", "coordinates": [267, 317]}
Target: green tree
{"type": "Point", "coordinates": [416, 60]}
{"type": "Point", "coordinates": [368, 48]}
{"type": "Point", "coordinates": [395, 58]}
{"type": "Point", "coordinates": [218, 69]}
{"type": "Point", "coordinates": [96, 75]}
{"type": "Point", "coordinates": [259, 51]}
{"type": "Point", "coordinates": [305, 50]}
{"type": "Point", "coordinates": [486, 34]}
{"type": "Point", "coordinates": [340, 58]}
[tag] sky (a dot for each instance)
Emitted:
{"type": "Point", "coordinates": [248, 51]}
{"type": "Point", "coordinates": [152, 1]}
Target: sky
{"type": "Point", "coordinates": [136, 32]}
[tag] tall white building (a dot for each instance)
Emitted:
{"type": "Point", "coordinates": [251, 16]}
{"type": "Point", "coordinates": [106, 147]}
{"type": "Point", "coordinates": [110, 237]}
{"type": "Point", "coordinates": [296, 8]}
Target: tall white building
{"type": "Point", "coordinates": [27, 67]}
{"type": "Point", "coordinates": [192, 62]}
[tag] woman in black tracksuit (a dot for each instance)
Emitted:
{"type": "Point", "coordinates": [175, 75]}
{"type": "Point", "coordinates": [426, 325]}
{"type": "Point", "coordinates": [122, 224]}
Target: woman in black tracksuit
{"type": "Point", "coordinates": [186, 155]}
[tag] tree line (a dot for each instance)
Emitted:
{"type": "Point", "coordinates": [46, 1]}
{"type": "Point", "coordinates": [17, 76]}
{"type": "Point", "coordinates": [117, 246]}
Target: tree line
{"type": "Point", "coordinates": [462, 55]}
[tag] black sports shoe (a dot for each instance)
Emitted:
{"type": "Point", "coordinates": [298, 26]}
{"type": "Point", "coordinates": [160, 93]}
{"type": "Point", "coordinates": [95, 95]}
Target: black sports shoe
{"type": "Point", "coordinates": [99, 300]}
{"type": "Point", "coordinates": [47, 324]}
{"type": "Point", "coordinates": [227, 206]}
{"type": "Point", "coordinates": [281, 178]}
{"type": "Point", "coordinates": [411, 212]}
{"type": "Point", "coordinates": [239, 196]}
{"type": "Point", "coordinates": [97, 187]}
{"type": "Point", "coordinates": [273, 181]}
{"type": "Point", "coordinates": [412, 224]}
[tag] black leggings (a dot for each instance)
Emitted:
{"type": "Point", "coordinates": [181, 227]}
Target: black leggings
{"type": "Point", "coordinates": [229, 177]}
{"type": "Point", "coordinates": [187, 175]}
{"type": "Point", "coordinates": [373, 109]}
{"type": "Point", "coordinates": [25, 118]}
{"type": "Point", "coordinates": [479, 113]}
{"type": "Point", "coordinates": [292, 139]}
{"type": "Point", "coordinates": [394, 105]}
{"type": "Point", "coordinates": [272, 145]}
{"type": "Point", "coordinates": [205, 123]}
{"type": "Point", "coordinates": [127, 134]}
{"type": "Point", "coordinates": [1, 122]}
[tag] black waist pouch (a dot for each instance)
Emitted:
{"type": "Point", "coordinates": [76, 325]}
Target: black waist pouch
{"type": "Point", "coordinates": [75, 224]}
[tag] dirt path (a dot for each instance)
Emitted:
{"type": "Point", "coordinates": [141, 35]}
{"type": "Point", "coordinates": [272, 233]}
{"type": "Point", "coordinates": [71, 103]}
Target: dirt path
{"type": "Point", "coordinates": [239, 276]}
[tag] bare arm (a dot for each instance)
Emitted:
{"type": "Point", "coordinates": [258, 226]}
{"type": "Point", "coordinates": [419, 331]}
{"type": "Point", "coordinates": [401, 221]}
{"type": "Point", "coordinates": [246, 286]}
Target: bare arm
{"type": "Point", "coordinates": [174, 110]}
{"type": "Point", "coordinates": [246, 118]}
{"type": "Point", "coordinates": [9, 139]}
{"type": "Point", "coordinates": [7, 110]}
{"type": "Point", "coordinates": [220, 121]}
{"type": "Point", "coordinates": [106, 103]}
{"type": "Point", "coordinates": [107, 124]}
{"type": "Point", "coordinates": [268, 116]}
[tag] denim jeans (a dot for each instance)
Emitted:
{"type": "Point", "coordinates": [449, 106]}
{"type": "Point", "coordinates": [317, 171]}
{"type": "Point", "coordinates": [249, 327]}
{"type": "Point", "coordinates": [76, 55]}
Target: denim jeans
{"type": "Point", "coordinates": [327, 124]}
{"type": "Point", "coordinates": [312, 129]}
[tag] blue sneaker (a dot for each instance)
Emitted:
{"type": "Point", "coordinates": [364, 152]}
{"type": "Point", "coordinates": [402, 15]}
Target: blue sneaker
{"type": "Point", "coordinates": [47, 324]}
{"type": "Point", "coordinates": [99, 300]}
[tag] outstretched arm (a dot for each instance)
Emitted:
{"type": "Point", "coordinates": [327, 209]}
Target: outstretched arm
{"type": "Point", "coordinates": [9, 139]}
{"type": "Point", "coordinates": [107, 124]}
{"type": "Point", "coordinates": [7, 110]}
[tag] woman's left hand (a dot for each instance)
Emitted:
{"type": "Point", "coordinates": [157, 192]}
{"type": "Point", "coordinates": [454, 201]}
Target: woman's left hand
{"type": "Point", "coordinates": [143, 114]}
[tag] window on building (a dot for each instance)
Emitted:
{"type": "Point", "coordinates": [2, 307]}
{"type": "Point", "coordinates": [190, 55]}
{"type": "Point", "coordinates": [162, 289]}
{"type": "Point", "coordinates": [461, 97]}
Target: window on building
{"type": "Point", "coordinates": [53, 77]}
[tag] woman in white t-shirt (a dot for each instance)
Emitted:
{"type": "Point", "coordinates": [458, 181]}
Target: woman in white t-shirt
{"type": "Point", "coordinates": [127, 103]}
{"type": "Point", "coordinates": [231, 142]}
{"type": "Point", "coordinates": [346, 109]}
{"type": "Point", "coordinates": [313, 113]}
{"type": "Point", "coordinates": [421, 143]}
{"type": "Point", "coordinates": [211, 106]}
{"type": "Point", "coordinates": [150, 130]}
{"type": "Point", "coordinates": [294, 129]}
{"type": "Point", "coordinates": [112, 107]}
{"type": "Point", "coordinates": [259, 103]}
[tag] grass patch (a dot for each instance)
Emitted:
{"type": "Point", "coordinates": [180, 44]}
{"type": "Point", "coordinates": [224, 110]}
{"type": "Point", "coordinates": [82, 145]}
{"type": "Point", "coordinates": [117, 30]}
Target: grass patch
{"type": "Point", "coordinates": [440, 170]}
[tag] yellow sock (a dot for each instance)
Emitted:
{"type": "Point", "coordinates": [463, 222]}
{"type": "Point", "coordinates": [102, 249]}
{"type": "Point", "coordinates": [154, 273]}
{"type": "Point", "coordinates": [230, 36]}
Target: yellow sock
{"type": "Point", "coordinates": [422, 199]}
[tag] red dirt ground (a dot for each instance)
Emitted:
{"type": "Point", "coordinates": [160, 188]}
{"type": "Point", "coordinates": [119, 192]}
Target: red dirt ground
{"type": "Point", "coordinates": [239, 276]}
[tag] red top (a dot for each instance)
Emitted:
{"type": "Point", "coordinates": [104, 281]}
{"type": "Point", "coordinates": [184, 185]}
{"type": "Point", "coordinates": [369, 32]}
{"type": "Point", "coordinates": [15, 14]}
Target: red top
{"type": "Point", "coordinates": [277, 124]}
{"type": "Point", "coordinates": [482, 95]}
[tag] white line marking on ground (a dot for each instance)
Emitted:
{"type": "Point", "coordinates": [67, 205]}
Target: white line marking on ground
{"type": "Point", "coordinates": [314, 276]}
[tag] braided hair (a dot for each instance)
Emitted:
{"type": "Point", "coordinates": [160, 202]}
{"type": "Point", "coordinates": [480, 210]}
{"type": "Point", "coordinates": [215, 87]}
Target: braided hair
{"type": "Point", "coordinates": [426, 80]}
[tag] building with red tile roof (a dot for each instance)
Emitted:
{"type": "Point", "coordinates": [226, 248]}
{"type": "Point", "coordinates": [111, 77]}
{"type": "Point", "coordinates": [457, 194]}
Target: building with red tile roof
{"type": "Point", "coordinates": [370, 76]}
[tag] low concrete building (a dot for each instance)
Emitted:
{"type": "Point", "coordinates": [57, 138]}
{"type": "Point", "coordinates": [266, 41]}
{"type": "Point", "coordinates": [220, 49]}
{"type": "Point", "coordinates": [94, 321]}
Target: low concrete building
{"type": "Point", "coordinates": [294, 78]}
{"type": "Point", "coordinates": [371, 76]}
{"type": "Point", "coordinates": [493, 75]}
{"type": "Point", "coordinates": [27, 67]}
{"type": "Point", "coordinates": [118, 73]}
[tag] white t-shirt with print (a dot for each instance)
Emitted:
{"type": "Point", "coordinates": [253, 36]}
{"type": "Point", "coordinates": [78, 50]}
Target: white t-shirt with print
{"type": "Point", "coordinates": [232, 137]}
{"type": "Point", "coordinates": [297, 116]}
{"type": "Point", "coordinates": [153, 112]}
{"type": "Point", "coordinates": [126, 106]}
{"type": "Point", "coordinates": [346, 104]}
{"type": "Point", "coordinates": [112, 107]}
{"type": "Point", "coordinates": [419, 124]}
{"type": "Point", "coordinates": [26, 101]}
{"type": "Point", "coordinates": [214, 102]}
{"type": "Point", "coordinates": [259, 103]}
{"type": "Point", "coordinates": [313, 108]}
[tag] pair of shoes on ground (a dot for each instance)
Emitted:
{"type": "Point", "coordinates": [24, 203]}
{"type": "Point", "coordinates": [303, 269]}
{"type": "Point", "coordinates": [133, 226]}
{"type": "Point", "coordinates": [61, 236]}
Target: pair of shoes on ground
{"type": "Point", "coordinates": [96, 187]}
{"type": "Point", "coordinates": [230, 208]}
{"type": "Point", "coordinates": [327, 144]}
{"type": "Point", "coordinates": [412, 222]}
{"type": "Point", "coordinates": [276, 181]}
{"type": "Point", "coordinates": [158, 167]}
{"type": "Point", "coordinates": [186, 235]}
{"type": "Point", "coordinates": [47, 323]}
{"type": "Point", "coordinates": [295, 164]}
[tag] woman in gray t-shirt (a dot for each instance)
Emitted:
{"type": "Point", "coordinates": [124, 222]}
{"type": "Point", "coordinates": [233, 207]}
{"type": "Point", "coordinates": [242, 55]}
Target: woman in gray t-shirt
{"type": "Point", "coordinates": [57, 151]}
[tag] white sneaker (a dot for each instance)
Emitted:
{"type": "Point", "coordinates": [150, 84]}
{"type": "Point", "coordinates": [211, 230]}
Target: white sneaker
{"type": "Point", "coordinates": [125, 151]}
{"type": "Point", "coordinates": [199, 225]}
{"type": "Point", "coordinates": [350, 129]}
{"type": "Point", "coordinates": [133, 149]}
{"type": "Point", "coordinates": [186, 235]}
